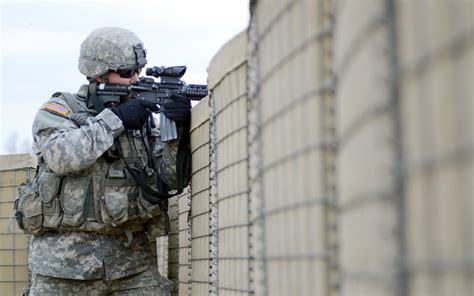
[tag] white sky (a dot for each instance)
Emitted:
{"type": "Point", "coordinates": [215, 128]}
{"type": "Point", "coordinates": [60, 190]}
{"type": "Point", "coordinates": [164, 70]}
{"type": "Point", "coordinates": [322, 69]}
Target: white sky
{"type": "Point", "coordinates": [40, 42]}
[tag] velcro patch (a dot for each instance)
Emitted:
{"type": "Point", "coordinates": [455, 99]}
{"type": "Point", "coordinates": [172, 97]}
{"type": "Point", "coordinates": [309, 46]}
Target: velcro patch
{"type": "Point", "coordinates": [56, 108]}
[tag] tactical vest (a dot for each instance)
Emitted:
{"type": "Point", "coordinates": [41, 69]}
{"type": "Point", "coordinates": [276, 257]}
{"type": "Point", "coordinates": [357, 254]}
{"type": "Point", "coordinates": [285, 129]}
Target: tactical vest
{"type": "Point", "coordinates": [103, 198]}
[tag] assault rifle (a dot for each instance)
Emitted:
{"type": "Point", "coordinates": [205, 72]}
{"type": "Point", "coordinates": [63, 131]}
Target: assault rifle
{"type": "Point", "coordinates": [149, 89]}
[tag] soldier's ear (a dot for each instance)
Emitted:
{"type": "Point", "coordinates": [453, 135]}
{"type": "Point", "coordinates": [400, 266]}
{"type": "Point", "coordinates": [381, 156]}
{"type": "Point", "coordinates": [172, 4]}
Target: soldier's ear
{"type": "Point", "coordinates": [103, 78]}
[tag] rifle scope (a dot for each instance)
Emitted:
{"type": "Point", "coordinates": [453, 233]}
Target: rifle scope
{"type": "Point", "coordinates": [175, 71]}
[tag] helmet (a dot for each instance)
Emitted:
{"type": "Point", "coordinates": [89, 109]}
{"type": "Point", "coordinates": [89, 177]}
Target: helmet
{"type": "Point", "coordinates": [110, 49]}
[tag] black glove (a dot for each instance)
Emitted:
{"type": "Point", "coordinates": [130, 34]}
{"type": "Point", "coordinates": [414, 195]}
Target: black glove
{"type": "Point", "coordinates": [134, 112]}
{"type": "Point", "coordinates": [178, 109]}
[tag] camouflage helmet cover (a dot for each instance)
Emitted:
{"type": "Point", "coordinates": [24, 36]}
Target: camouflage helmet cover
{"type": "Point", "coordinates": [110, 49]}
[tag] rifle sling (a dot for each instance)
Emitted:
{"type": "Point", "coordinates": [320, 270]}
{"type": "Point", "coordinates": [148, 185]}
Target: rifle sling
{"type": "Point", "coordinates": [181, 157]}
{"type": "Point", "coordinates": [153, 195]}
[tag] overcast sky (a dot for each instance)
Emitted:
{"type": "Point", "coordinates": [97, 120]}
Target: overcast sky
{"type": "Point", "coordinates": [40, 42]}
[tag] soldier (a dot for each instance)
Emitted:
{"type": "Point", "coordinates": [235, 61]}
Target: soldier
{"type": "Point", "coordinates": [98, 221]}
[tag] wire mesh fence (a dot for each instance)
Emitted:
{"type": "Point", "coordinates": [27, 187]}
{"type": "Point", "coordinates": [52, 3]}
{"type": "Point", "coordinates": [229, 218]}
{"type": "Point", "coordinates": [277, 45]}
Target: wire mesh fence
{"type": "Point", "coordinates": [369, 191]}
{"type": "Point", "coordinates": [14, 275]}
{"type": "Point", "coordinates": [173, 245]}
{"type": "Point", "coordinates": [200, 203]}
{"type": "Point", "coordinates": [296, 126]}
{"type": "Point", "coordinates": [334, 156]}
{"type": "Point", "coordinates": [339, 151]}
{"type": "Point", "coordinates": [436, 68]}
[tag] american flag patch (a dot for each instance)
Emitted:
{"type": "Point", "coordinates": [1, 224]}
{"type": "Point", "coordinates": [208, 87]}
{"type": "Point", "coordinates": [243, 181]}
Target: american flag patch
{"type": "Point", "coordinates": [56, 108]}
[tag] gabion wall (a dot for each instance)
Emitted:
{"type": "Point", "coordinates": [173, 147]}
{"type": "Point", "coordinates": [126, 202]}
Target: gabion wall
{"type": "Point", "coordinates": [173, 244]}
{"type": "Point", "coordinates": [334, 155]}
{"type": "Point", "coordinates": [200, 206]}
{"type": "Point", "coordinates": [369, 185]}
{"type": "Point", "coordinates": [14, 275]}
{"type": "Point", "coordinates": [435, 84]}
{"type": "Point", "coordinates": [292, 137]}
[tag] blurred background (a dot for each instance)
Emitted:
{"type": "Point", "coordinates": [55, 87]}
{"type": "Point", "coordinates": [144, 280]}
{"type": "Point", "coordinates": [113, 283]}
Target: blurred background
{"type": "Point", "coordinates": [333, 155]}
{"type": "Point", "coordinates": [40, 42]}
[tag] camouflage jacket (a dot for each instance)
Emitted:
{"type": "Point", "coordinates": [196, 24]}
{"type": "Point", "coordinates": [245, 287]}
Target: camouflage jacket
{"type": "Point", "coordinates": [76, 147]}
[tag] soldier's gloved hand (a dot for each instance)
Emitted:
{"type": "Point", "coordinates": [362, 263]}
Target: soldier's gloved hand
{"type": "Point", "coordinates": [134, 113]}
{"type": "Point", "coordinates": [178, 109]}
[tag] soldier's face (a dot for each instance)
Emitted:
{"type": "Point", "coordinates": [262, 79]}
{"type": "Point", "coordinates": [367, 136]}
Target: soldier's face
{"type": "Point", "coordinates": [115, 78]}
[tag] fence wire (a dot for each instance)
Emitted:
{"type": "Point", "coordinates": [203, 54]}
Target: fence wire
{"type": "Point", "coordinates": [337, 154]}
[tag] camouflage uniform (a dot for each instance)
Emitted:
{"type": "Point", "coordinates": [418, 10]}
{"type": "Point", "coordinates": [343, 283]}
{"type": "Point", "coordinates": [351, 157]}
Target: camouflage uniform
{"type": "Point", "coordinates": [100, 247]}
{"type": "Point", "coordinates": [103, 260]}
{"type": "Point", "coordinates": [147, 283]}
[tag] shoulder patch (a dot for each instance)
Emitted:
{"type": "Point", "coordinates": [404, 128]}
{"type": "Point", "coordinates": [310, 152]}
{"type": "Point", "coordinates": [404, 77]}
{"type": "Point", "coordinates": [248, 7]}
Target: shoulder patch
{"type": "Point", "coordinates": [56, 108]}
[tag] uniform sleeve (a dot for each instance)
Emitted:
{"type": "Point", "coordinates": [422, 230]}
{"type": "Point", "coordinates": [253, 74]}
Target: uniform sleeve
{"type": "Point", "coordinates": [67, 147]}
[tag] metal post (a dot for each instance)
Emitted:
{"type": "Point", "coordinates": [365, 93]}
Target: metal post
{"type": "Point", "coordinates": [257, 272]}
